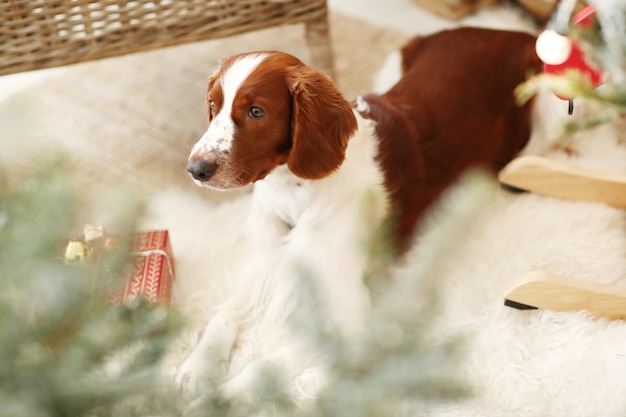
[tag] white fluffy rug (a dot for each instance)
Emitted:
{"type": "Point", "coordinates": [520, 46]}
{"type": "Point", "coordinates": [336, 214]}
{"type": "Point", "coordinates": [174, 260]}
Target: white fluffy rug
{"type": "Point", "coordinates": [541, 363]}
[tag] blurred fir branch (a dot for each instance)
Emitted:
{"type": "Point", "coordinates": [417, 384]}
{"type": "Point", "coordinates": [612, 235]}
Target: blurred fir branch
{"type": "Point", "coordinates": [397, 367]}
{"type": "Point", "coordinates": [397, 361]}
{"type": "Point", "coordinates": [608, 101]}
{"type": "Point", "coordinates": [64, 350]}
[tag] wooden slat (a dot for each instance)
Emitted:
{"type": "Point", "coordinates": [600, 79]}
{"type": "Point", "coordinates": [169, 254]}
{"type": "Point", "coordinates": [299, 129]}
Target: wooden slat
{"type": "Point", "coordinates": [562, 180]}
{"type": "Point", "coordinates": [558, 293]}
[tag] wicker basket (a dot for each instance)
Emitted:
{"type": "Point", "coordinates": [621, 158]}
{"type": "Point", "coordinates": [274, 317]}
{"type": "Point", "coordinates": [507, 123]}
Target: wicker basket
{"type": "Point", "coordinates": [37, 34]}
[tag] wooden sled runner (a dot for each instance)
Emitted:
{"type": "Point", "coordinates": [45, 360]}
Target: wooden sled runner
{"type": "Point", "coordinates": [558, 179]}
{"type": "Point", "coordinates": [542, 290]}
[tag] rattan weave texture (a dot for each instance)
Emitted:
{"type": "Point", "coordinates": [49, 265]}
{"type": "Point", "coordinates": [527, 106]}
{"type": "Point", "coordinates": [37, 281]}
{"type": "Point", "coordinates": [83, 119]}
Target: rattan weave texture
{"type": "Point", "coordinates": [37, 34]}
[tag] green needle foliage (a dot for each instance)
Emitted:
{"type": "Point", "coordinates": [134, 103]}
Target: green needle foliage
{"type": "Point", "coordinates": [64, 350]}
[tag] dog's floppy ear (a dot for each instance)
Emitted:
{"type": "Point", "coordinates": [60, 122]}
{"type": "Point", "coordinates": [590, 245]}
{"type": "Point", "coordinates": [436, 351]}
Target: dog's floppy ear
{"type": "Point", "coordinates": [321, 125]}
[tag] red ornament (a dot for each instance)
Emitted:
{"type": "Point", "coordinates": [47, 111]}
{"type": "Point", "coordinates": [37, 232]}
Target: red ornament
{"type": "Point", "coordinates": [577, 59]}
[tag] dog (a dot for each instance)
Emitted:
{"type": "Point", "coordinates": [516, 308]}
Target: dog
{"type": "Point", "coordinates": [313, 157]}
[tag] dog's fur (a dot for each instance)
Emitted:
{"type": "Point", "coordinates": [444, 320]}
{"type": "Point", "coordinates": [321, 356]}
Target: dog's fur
{"type": "Point", "coordinates": [283, 126]}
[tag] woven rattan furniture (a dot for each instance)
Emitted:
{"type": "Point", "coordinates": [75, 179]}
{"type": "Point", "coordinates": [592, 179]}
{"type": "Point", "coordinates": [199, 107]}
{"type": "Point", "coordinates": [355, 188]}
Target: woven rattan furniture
{"type": "Point", "coordinates": [38, 34]}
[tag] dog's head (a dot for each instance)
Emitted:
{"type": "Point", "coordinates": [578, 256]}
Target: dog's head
{"type": "Point", "coordinates": [266, 109]}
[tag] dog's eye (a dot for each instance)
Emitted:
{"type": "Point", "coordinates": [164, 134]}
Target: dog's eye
{"type": "Point", "coordinates": [256, 113]}
{"type": "Point", "coordinates": [211, 109]}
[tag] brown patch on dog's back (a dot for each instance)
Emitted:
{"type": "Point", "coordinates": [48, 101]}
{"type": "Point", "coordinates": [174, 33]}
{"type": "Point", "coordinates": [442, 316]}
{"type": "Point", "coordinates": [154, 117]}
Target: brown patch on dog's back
{"type": "Point", "coordinates": [453, 109]}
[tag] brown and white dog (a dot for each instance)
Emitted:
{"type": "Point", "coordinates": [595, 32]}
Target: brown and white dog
{"type": "Point", "coordinates": [312, 156]}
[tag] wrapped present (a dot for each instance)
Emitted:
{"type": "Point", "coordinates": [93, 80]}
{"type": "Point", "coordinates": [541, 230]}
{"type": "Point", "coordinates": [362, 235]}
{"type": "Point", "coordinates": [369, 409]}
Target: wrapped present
{"type": "Point", "coordinates": [151, 272]}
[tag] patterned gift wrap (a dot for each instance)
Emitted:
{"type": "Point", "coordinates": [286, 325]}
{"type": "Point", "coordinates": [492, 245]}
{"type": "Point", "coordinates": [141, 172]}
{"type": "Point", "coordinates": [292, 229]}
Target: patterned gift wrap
{"type": "Point", "coordinates": [152, 271]}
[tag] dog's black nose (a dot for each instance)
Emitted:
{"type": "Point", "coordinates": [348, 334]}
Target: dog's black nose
{"type": "Point", "coordinates": [201, 170]}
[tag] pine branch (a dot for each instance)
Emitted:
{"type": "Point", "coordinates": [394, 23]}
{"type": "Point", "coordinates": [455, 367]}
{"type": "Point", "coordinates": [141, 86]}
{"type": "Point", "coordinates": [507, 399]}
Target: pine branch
{"type": "Point", "coordinates": [59, 336]}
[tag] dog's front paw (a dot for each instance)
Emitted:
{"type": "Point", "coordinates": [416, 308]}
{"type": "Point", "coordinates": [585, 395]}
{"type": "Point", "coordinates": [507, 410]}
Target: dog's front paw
{"type": "Point", "coordinates": [198, 374]}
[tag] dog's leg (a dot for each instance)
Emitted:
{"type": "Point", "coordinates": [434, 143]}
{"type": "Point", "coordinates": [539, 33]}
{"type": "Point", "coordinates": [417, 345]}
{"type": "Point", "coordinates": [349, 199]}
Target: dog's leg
{"type": "Point", "coordinates": [208, 362]}
{"type": "Point", "coordinates": [339, 267]}
{"type": "Point", "coordinates": [321, 283]}
{"type": "Point", "coordinates": [281, 370]}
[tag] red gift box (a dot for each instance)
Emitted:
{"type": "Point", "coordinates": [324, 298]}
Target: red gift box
{"type": "Point", "coordinates": [152, 271]}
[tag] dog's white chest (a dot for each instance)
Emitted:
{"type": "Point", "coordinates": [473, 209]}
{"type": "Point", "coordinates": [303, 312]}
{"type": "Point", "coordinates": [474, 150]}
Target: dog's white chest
{"type": "Point", "coordinates": [285, 194]}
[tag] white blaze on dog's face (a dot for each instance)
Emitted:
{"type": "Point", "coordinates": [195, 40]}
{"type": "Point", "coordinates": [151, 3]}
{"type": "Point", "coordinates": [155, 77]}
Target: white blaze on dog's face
{"type": "Point", "coordinates": [219, 135]}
